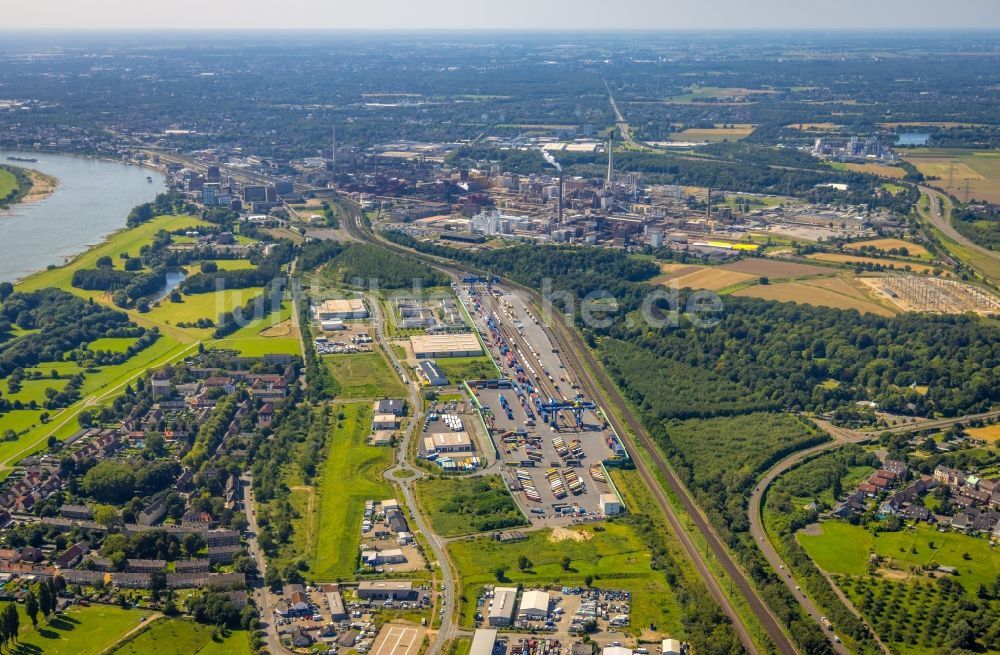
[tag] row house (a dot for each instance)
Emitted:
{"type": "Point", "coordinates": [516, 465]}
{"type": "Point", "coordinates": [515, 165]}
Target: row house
{"type": "Point", "coordinates": [145, 565]}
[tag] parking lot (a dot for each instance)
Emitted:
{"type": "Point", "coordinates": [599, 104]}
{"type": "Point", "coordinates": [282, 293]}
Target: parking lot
{"type": "Point", "coordinates": [603, 614]}
{"type": "Point", "coordinates": [554, 468]}
{"type": "Point", "coordinates": [354, 338]}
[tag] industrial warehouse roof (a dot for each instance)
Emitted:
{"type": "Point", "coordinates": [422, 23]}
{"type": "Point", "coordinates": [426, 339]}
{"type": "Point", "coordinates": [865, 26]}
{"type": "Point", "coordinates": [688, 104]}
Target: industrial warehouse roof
{"type": "Point", "coordinates": [504, 601]}
{"type": "Point", "coordinates": [343, 306]}
{"type": "Point", "coordinates": [483, 642]}
{"type": "Point", "coordinates": [535, 601]}
{"type": "Point", "coordinates": [447, 440]}
{"type": "Point", "coordinates": [436, 344]}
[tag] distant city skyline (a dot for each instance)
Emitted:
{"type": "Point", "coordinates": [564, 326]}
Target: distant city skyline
{"type": "Point", "coordinates": [507, 15]}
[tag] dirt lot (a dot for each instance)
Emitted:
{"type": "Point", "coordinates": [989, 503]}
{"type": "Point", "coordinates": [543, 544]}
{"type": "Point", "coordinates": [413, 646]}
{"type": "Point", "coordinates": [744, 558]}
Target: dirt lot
{"type": "Point", "coordinates": [712, 279]}
{"type": "Point", "coordinates": [776, 269]}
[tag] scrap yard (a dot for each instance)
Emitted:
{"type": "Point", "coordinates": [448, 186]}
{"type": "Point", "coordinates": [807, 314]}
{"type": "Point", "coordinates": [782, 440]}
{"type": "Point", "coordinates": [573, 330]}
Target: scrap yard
{"type": "Point", "coordinates": [551, 441]}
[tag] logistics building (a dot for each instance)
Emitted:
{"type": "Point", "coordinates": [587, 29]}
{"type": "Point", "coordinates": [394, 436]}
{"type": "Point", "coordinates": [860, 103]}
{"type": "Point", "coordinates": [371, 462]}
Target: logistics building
{"type": "Point", "coordinates": [341, 308]}
{"type": "Point", "coordinates": [448, 442]}
{"type": "Point", "coordinates": [534, 605]}
{"type": "Point", "coordinates": [430, 346]}
{"type": "Point", "coordinates": [483, 642]}
{"type": "Point", "coordinates": [610, 505]}
{"type": "Point", "coordinates": [504, 604]}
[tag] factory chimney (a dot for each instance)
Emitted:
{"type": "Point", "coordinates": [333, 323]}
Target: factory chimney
{"type": "Point", "coordinates": [560, 196]}
{"type": "Point", "coordinates": [708, 205]}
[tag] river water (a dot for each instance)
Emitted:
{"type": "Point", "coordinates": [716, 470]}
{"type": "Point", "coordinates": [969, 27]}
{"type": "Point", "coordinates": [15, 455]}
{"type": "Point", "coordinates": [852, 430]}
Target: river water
{"type": "Point", "coordinates": [92, 200]}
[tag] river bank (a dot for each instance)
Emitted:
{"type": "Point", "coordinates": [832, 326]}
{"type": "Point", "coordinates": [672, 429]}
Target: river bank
{"type": "Point", "coordinates": [76, 202]}
{"type": "Point", "coordinates": [42, 185]}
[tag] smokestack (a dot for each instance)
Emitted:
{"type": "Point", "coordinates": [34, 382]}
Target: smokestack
{"type": "Point", "coordinates": [333, 149]}
{"type": "Point", "coordinates": [560, 197]}
{"type": "Point", "coordinates": [708, 205]}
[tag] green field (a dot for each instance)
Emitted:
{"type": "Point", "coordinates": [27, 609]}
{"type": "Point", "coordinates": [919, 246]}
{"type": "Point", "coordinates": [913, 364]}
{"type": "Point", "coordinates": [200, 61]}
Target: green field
{"type": "Point", "coordinates": [123, 241]}
{"type": "Point", "coordinates": [609, 550]}
{"type": "Point", "coordinates": [463, 505]}
{"type": "Point", "coordinates": [468, 368]}
{"type": "Point", "coordinates": [327, 535]}
{"type": "Point", "coordinates": [364, 375]}
{"type": "Point", "coordinates": [270, 335]}
{"type": "Point", "coordinates": [8, 183]}
{"type": "Point", "coordinates": [115, 345]}
{"type": "Point", "coordinates": [34, 390]}
{"type": "Point", "coordinates": [228, 264]}
{"type": "Point", "coordinates": [201, 305]}
{"type": "Point", "coordinates": [843, 548]}
{"type": "Point", "coordinates": [78, 631]}
{"type": "Point", "coordinates": [182, 637]}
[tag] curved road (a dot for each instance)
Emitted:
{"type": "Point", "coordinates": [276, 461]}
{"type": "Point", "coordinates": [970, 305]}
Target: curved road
{"type": "Point", "coordinates": [942, 221]}
{"type": "Point", "coordinates": [840, 436]}
{"type": "Point", "coordinates": [410, 473]}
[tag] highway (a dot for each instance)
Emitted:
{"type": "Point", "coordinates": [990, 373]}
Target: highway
{"type": "Point", "coordinates": [580, 360]}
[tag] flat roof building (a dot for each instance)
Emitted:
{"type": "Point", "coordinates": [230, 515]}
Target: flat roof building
{"type": "Point", "coordinates": [336, 601]}
{"type": "Point", "coordinates": [386, 590]}
{"type": "Point", "coordinates": [385, 422]}
{"type": "Point", "coordinates": [483, 642]}
{"type": "Point", "coordinates": [429, 346]}
{"type": "Point", "coordinates": [435, 376]}
{"type": "Point", "coordinates": [534, 605]}
{"type": "Point", "coordinates": [504, 604]}
{"type": "Point", "coordinates": [448, 442]}
{"type": "Point", "coordinates": [341, 308]}
{"type": "Point", "coordinates": [616, 650]}
{"type": "Point", "coordinates": [671, 647]}
{"type": "Point", "coordinates": [610, 505]}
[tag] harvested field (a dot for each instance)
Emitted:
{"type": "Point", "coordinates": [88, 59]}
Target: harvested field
{"type": "Point", "coordinates": [959, 169]}
{"type": "Point", "coordinates": [880, 170]}
{"type": "Point", "coordinates": [712, 279]}
{"type": "Point", "coordinates": [776, 269]}
{"type": "Point", "coordinates": [834, 292]}
{"type": "Point", "coordinates": [674, 268]}
{"type": "Point", "coordinates": [854, 259]}
{"type": "Point", "coordinates": [915, 249]}
{"type": "Point", "coordinates": [930, 294]}
{"type": "Point", "coordinates": [713, 134]}
{"type": "Point", "coordinates": [990, 433]}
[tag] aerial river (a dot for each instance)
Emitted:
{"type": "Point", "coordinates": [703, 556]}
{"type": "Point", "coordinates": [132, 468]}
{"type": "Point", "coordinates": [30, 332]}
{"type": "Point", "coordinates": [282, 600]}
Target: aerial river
{"type": "Point", "coordinates": [92, 200]}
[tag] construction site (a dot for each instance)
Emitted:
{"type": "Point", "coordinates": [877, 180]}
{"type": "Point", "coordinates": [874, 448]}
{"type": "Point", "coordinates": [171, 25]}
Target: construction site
{"type": "Point", "coordinates": [916, 293]}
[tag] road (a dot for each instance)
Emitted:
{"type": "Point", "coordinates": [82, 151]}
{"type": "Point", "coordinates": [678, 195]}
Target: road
{"type": "Point", "coordinates": [942, 221]}
{"type": "Point", "coordinates": [840, 436]}
{"type": "Point", "coordinates": [260, 593]}
{"type": "Point", "coordinates": [581, 361]}
{"type": "Point", "coordinates": [404, 474]}
{"type": "Point", "coordinates": [622, 124]}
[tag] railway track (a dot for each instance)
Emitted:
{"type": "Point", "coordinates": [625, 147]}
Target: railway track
{"type": "Point", "coordinates": [596, 383]}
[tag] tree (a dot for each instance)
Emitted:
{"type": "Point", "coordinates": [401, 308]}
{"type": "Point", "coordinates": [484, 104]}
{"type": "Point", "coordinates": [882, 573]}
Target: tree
{"type": "Point", "coordinates": [961, 635]}
{"type": "Point", "coordinates": [500, 573]}
{"type": "Point", "coordinates": [523, 563]}
{"type": "Point", "coordinates": [6, 288]}
{"type": "Point", "coordinates": [565, 562]}
{"type": "Point", "coordinates": [45, 599]}
{"type": "Point", "coordinates": [106, 515]}
{"type": "Point", "coordinates": [105, 262]}
{"type": "Point", "coordinates": [31, 607]}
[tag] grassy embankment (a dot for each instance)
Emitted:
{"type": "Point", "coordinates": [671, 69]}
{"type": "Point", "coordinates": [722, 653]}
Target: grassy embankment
{"type": "Point", "coordinates": [331, 508]}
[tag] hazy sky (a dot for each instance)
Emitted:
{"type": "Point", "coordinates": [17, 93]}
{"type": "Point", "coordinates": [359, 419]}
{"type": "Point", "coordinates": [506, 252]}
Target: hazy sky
{"type": "Point", "coordinates": [498, 14]}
